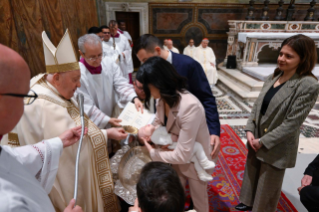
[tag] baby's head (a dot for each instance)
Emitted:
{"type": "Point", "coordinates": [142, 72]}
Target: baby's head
{"type": "Point", "coordinates": [146, 132]}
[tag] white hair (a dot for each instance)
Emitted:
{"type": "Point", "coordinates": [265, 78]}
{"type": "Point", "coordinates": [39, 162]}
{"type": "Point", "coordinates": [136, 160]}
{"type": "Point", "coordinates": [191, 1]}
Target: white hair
{"type": "Point", "coordinates": [91, 39]}
{"type": "Point", "coordinates": [205, 41]}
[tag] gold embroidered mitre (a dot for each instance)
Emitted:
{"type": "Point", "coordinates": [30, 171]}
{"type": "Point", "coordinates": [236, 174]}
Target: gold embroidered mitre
{"type": "Point", "coordinates": [60, 59]}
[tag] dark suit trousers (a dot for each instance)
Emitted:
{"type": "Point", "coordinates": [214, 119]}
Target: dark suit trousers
{"type": "Point", "coordinates": [261, 187]}
{"type": "Point", "coordinates": [309, 195]}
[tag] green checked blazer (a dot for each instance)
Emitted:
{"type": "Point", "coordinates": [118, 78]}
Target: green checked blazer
{"type": "Point", "coordinates": [279, 128]}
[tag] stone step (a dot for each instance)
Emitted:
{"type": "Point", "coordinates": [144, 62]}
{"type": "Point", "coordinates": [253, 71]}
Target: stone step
{"type": "Point", "coordinates": [236, 76]}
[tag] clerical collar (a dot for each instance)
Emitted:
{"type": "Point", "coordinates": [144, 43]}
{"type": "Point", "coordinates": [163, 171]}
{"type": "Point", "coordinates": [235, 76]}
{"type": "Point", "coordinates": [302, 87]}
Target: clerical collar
{"type": "Point", "coordinates": [170, 57]}
{"type": "Point", "coordinates": [92, 70]}
{"type": "Point", "coordinates": [116, 36]}
{"type": "Point", "coordinates": [120, 31]}
{"type": "Point", "coordinates": [0, 137]}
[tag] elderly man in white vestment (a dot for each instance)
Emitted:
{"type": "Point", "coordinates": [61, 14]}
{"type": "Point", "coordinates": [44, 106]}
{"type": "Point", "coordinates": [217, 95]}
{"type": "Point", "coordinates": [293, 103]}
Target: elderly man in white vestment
{"type": "Point", "coordinates": [190, 49]}
{"type": "Point", "coordinates": [56, 110]}
{"type": "Point", "coordinates": [171, 47]}
{"type": "Point", "coordinates": [206, 57]}
{"type": "Point", "coordinates": [120, 43]}
{"type": "Point", "coordinates": [26, 173]}
{"type": "Point", "coordinates": [100, 80]}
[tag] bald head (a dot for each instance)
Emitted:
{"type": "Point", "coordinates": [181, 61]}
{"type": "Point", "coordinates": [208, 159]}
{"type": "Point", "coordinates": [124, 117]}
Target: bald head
{"type": "Point", "coordinates": [169, 44]}
{"type": "Point", "coordinates": [14, 78]}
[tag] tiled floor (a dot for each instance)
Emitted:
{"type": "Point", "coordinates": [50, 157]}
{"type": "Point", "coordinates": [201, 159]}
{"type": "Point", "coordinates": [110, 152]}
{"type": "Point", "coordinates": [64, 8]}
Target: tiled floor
{"type": "Point", "coordinates": [235, 112]}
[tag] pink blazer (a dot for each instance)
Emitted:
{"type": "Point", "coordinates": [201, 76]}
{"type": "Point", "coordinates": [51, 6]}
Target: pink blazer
{"type": "Point", "coordinates": [187, 120]}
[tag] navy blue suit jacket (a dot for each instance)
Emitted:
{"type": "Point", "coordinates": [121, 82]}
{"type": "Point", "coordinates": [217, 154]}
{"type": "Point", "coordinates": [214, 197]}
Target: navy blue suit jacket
{"type": "Point", "coordinates": [198, 85]}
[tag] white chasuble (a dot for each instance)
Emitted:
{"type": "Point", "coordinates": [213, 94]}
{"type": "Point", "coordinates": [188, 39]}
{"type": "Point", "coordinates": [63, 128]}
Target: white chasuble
{"type": "Point", "coordinates": [189, 51]}
{"type": "Point", "coordinates": [27, 175]}
{"type": "Point", "coordinates": [51, 115]}
{"type": "Point", "coordinates": [122, 45]}
{"type": "Point", "coordinates": [206, 57]}
{"type": "Point", "coordinates": [175, 50]}
{"type": "Point", "coordinates": [99, 92]}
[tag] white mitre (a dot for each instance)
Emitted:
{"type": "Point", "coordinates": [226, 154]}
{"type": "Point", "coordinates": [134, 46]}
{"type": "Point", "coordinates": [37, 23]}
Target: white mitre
{"type": "Point", "coordinates": [62, 58]}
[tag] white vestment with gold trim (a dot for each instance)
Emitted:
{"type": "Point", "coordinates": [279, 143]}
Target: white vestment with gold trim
{"type": "Point", "coordinates": [206, 57]}
{"type": "Point", "coordinates": [189, 51]}
{"type": "Point", "coordinates": [51, 115]}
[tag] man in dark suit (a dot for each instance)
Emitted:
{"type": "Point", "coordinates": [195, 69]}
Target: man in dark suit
{"type": "Point", "coordinates": [309, 190]}
{"type": "Point", "coordinates": [150, 46]}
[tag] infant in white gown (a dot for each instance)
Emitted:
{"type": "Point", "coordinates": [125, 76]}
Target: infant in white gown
{"type": "Point", "coordinates": [160, 136]}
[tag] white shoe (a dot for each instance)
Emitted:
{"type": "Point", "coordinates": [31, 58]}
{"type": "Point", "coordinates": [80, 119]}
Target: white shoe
{"type": "Point", "coordinates": [207, 164]}
{"type": "Point", "coordinates": [203, 176]}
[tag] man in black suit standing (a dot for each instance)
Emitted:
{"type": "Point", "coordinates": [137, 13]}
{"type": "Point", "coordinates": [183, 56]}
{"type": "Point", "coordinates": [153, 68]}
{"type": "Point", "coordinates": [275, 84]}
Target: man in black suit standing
{"type": "Point", "coordinates": [150, 46]}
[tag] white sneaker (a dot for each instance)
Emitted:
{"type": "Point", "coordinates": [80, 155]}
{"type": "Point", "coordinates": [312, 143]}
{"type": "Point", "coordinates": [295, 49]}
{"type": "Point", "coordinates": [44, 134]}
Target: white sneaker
{"type": "Point", "coordinates": [203, 176]}
{"type": "Point", "coordinates": [207, 164]}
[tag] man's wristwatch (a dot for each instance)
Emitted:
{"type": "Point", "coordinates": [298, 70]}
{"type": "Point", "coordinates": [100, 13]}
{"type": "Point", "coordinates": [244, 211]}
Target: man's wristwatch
{"type": "Point", "coordinates": [259, 141]}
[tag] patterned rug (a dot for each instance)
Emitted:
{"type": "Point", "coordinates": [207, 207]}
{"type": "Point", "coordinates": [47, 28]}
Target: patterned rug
{"type": "Point", "coordinates": [224, 190]}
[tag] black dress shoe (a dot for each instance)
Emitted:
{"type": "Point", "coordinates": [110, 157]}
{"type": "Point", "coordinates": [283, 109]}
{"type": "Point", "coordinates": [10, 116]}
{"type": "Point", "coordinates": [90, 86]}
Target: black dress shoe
{"type": "Point", "coordinates": [243, 207]}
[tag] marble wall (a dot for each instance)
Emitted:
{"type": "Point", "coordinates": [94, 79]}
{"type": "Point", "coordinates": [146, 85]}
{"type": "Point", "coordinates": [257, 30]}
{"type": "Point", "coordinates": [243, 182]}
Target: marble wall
{"type": "Point", "coordinates": [180, 22]}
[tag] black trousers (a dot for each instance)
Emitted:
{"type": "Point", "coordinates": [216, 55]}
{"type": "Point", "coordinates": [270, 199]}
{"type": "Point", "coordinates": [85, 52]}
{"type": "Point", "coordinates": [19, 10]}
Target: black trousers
{"type": "Point", "coordinates": [309, 195]}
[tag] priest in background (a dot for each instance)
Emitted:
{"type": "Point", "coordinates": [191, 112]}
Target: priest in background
{"type": "Point", "coordinates": [206, 57]}
{"type": "Point", "coordinates": [26, 173]}
{"type": "Point", "coordinates": [171, 47]}
{"type": "Point", "coordinates": [100, 80]}
{"type": "Point", "coordinates": [122, 27]}
{"type": "Point", "coordinates": [190, 49]}
{"type": "Point", "coordinates": [108, 50]}
{"type": "Point", "coordinates": [56, 110]}
{"type": "Point", "coordinates": [165, 44]}
{"type": "Point", "coordinates": [119, 42]}
{"type": "Point", "coordinates": [97, 31]}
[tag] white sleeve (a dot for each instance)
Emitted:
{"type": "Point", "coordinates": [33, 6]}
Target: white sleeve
{"type": "Point", "coordinates": [213, 58]}
{"type": "Point", "coordinates": [124, 90]}
{"type": "Point", "coordinates": [128, 56]}
{"type": "Point", "coordinates": [41, 160]}
{"type": "Point", "coordinates": [99, 118]}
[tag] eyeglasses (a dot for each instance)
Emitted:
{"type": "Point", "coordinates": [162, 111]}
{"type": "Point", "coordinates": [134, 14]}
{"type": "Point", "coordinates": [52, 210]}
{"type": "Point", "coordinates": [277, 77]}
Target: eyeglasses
{"type": "Point", "coordinates": [28, 99]}
{"type": "Point", "coordinates": [93, 59]}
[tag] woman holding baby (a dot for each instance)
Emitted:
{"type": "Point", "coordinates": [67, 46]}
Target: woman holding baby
{"type": "Point", "coordinates": [183, 116]}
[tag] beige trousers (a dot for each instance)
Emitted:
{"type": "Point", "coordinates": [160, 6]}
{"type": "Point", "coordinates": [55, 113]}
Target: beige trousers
{"type": "Point", "coordinates": [261, 186]}
{"type": "Point", "coordinates": [198, 191]}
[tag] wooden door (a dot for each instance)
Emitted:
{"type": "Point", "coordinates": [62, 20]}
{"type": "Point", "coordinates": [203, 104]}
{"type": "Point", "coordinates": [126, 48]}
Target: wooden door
{"type": "Point", "coordinates": [132, 20]}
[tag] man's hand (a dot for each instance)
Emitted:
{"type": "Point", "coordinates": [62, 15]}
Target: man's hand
{"type": "Point", "coordinates": [138, 105]}
{"type": "Point", "coordinates": [255, 144]}
{"type": "Point", "coordinates": [306, 180]}
{"type": "Point", "coordinates": [215, 142]}
{"type": "Point", "coordinates": [115, 122]}
{"type": "Point", "coordinates": [71, 207]}
{"type": "Point", "coordinates": [212, 64]}
{"type": "Point", "coordinates": [116, 133]}
{"type": "Point", "coordinates": [72, 136]}
{"type": "Point", "coordinates": [135, 208]}
{"type": "Point", "coordinates": [299, 189]}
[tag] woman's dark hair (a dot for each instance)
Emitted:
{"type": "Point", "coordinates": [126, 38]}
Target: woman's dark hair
{"type": "Point", "coordinates": [159, 189]}
{"type": "Point", "coordinates": [306, 49]}
{"type": "Point", "coordinates": [162, 75]}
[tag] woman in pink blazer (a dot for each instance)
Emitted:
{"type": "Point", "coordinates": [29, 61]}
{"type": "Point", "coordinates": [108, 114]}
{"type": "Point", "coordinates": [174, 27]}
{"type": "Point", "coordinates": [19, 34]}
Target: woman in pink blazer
{"type": "Point", "coordinates": [183, 115]}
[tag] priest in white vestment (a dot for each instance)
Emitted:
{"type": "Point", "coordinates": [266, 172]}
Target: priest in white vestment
{"type": "Point", "coordinates": [122, 27]}
{"type": "Point", "coordinates": [54, 111]}
{"type": "Point", "coordinates": [27, 173]}
{"type": "Point", "coordinates": [100, 80]}
{"type": "Point", "coordinates": [206, 57]}
{"type": "Point", "coordinates": [190, 49]}
{"type": "Point", "coordinates": [108, 49]}
{"type": "Point", "coordinates": [171, 47]}
{"type": "Point", "coordinates": [120, 43]}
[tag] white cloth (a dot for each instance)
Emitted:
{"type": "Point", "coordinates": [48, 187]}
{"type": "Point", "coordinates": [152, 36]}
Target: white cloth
{"type": "Point", "coordinates": [99, 92]}
{"type": "Point", "coordinates": [109, 51]}
{"type": "Point", "coordinates": [206, 57]}
{"type": "Point", "coordinates": [122, 45]}
{"type": "Point", "coordinates": [127, 35]}
{"type": "Point", "coordinates": [175, 50]}
{"type": "Point", "coordinates": [189, 51]}
{"type": "Point", "coordinates": [169, 57]}
{"type": "Point", "coordinates": [165, 47]}
{"type": "Point", "coordinates": [242, 36]}
{"type": "Point", "coordinates": [27, 175]}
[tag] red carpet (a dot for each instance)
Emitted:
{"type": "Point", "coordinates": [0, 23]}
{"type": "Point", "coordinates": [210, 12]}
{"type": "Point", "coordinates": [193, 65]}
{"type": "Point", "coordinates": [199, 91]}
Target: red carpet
{"type": "Point", "coordinates": [224, 190]}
